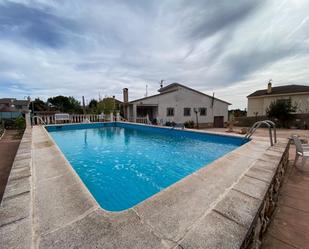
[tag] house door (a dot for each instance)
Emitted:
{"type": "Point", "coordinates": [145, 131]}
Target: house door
{"type": "Point", "coordinates": [218, 121]}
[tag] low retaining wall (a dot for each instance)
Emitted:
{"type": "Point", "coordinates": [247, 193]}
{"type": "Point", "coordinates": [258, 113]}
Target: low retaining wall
{"type": "Point", "coordinates": [263, 217]}
{"type": "Point", "coordinates": [300, 121]}
{"type": "Point", "coordinates": [15, 208]}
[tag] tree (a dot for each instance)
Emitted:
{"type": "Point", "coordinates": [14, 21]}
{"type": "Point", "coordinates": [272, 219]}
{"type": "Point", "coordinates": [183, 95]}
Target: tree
{"type": "Point", "coordinates": [108, 105]}
{"type": "Point", "coordinates": [238, 113]}
{"type": "Point", "coordinates": [282, 110]}
{"type": "Point", "coordinates": [38, 105]}
{"type": "Point", "coordinates": [20, 124]}
{"type": "Point", "coordinates": [65, 104]}
{"type": "Point", "coordinates": [93, 104]}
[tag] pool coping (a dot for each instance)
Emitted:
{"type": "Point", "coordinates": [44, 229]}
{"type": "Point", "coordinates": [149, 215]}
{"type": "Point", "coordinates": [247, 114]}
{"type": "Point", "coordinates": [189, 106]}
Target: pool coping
{"type": "Point", "coordinates": [149, 219]}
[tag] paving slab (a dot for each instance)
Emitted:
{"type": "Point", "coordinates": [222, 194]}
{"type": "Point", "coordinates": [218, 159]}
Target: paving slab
{"type": "Point", "coordinates": [263, 163]}
{"type": "Point", "coordinates": [23, 156]}
{"type": "Point", "coordinates": [43, 144]}
{"type": "Point", "coordinates": [15, 208]}
{"type": "Point", "coordinates": [18, 173]}
{"type": "Point", "coordinates": [25, 145]}
{"type": "Point", "coordinates": [239, 207]}
{"type": "Point", "coordinates": [171, 212]}
{"type": "Point", "coordinates": [293, 202]}
{"type": "Point", "coordinates": [252, 187]}
{"type": "Point", "coordinates": [21, 163]}
{"type": "Point", "coordinates": [274, 156]}
{"type": "Point", "coordinates": [226, 170]}
{"type": "Point", "coordinates": [278, 148]}
{"type": "Point", "coordinates": [175, 209]}
{"type": "Point", "coordinates": [296, 192]}
{"type": "Point", "coordinates": [49, 166]}
{"type": "Point", "coordinates": [214, 231]}
{"type": "Point", "coordinates": [273, 243]}
{"type": "Point", "coordinates": [261, 173]}
{"type": "Point", "coordinates": [291, 227]}
{"type": "Point", "coordinates": [299, 178]}
{"type": "Point", "coordinates": [98, 230]}
{"type": "Point", "coordinates": [60, 200]}
{"type": "Point", "coordinates": [16, 235]}
{"type": "Point", "coordinates": [254, 149]}
{"type": "Point", "coordinates": [17, 187]}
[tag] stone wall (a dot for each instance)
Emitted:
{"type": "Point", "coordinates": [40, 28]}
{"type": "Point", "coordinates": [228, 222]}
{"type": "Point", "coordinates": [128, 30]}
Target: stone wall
{"type": "Point", "coordinates": [15, 208]}
{"type": "Point", "coordinates": [299, 121]}
{"type": "Point", "coordinates": [263, 217]}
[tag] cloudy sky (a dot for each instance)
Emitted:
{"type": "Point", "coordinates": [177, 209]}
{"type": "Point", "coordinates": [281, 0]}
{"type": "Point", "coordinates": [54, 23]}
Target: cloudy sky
{"type": "Point", "coordinates": [89, 47]}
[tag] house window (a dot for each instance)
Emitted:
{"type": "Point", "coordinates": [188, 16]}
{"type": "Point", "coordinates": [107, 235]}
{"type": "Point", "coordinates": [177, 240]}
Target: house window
{"type": "Point", "coordinates": [286, 101]}
{"type": "Point", "coordinates": [187, 111]}
{"type": "Point", "coordinates": [203, 111]}
{"type": "Point", "coordinates": [170, 111]}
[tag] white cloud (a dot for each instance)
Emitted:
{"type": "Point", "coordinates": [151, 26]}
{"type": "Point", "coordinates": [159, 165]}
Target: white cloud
{"type": "Point", "coordinates": [86, 47]}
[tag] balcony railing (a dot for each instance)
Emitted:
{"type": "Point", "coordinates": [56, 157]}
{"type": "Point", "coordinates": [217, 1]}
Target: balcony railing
{"type": "Point", "coordinates": [73, 118]}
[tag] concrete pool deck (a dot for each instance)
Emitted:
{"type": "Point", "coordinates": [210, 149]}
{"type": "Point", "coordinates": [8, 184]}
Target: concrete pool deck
{"type": "Point", "coordinates": [215, 207]}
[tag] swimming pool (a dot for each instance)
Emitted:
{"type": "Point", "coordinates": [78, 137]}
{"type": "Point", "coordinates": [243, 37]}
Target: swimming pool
{"type": "Point", "coordinates": [123, 164]}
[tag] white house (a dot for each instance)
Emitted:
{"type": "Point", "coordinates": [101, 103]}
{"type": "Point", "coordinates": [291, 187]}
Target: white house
{"type": "Point", "coordinates": [178, 103]}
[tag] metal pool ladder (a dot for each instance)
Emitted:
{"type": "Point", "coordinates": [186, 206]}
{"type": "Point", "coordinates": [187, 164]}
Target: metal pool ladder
{"type": "Point", "coordinates": [40, 118]}
{"type": "Point", "coordinates": [270, 124]}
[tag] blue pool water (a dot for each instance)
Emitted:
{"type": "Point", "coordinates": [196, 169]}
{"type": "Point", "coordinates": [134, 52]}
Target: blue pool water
{"type": "Point", "coordinates": [123, 164]}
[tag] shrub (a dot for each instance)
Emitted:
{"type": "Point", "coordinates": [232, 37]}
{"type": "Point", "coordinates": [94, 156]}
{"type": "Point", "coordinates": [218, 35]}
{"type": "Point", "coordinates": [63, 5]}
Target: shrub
{"type": "Point", "coordinates": [20, 123]}
{"type": "Point", "coordinates": [189, 124]}
{"type": "Point", "coordinates": [1, 129]}
{"type": "Point", "coordinates": [154, 121]}
{"type": "Point", "coordinates": [281, 110]}
{"type": "Point", "coordinates": [168, 123]}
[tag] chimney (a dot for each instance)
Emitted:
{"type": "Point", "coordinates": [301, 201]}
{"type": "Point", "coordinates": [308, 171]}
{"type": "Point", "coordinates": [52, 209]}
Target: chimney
{"type": "Point", "coordinates": [125, 95]}
{"type": "Point", "coordinates": [269, 87]}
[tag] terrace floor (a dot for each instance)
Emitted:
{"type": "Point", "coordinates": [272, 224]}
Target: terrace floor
{"type": "Point", "coordinates": [289, 227]}
{"type": "Point", "coordinates": [220, 200]}
{"type": "Point", "coordinates": [72, 219]}
{"type": "Point", "coordinates": [263, 132]}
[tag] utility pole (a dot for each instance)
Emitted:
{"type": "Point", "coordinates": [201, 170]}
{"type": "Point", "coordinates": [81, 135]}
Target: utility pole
{"type": "Point", "coordinates": [84, 108]}
{"type": "Point", "coordinates": [196, 116]}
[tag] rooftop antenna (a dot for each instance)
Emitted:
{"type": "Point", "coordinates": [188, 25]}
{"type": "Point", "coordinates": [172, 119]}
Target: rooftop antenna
{"type": "Point", "coordinates": [212, 100]}
{"type": "Point", "coordinates": [161, 83]}
{"type": "Point", "coordinates": [146, 94]}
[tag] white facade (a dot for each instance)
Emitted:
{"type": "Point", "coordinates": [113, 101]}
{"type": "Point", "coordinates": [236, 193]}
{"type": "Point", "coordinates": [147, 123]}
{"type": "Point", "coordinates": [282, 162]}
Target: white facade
{"type": "Point", "coordinates": [257, 106]}
{"type": "Point", "coordinates": [178, 98]}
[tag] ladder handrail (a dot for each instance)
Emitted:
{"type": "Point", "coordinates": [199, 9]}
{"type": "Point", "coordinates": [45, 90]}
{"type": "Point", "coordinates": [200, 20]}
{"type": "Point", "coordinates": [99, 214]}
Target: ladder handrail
{"type": "Point", "coordinates": [258, 123]}
{"type": "Point", "coordinates": [274, 126]}
{"type": "Point", "coordinates": [270, 124]}
{"type": "Point", "coordinates": [40, 118]}
{"type": "Point", "coordinates": [269, 128]}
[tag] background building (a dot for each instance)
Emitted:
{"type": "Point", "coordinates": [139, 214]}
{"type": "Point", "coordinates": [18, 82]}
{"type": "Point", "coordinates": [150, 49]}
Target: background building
{"type": "Point", "coordinates": [259, 101]}
{"type": "Point", "coordinates": [11, 108]}
{"type": "Point", "coordinates": [178, 103]}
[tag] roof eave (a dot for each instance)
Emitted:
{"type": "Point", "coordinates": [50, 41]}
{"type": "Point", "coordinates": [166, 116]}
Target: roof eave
{"type": "Point", "coordinates": [276, 94]}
